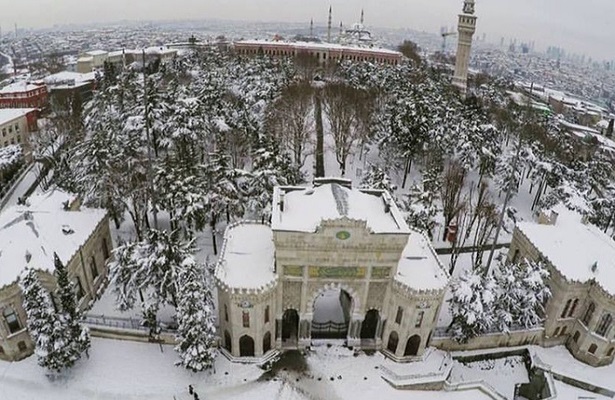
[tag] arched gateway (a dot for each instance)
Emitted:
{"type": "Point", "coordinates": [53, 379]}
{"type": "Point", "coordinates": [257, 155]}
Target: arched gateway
{"type": "Point", "coordinates": [336, 263]}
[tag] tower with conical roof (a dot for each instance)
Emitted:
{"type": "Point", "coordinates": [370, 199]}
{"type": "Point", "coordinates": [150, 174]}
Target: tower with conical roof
{"type": "Point", "coordinates": [466, 29]}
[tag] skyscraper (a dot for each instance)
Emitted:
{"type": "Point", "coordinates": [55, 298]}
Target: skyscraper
{"type": "Point", "coordinates": [466, 29]}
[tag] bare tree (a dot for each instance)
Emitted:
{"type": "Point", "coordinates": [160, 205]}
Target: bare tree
{"type": "Point", "coordinates": [343, 103]}
{"type": "Point", "coordinates": [452, 184]}
{"type": "Point", "coordinates": [291, 119]}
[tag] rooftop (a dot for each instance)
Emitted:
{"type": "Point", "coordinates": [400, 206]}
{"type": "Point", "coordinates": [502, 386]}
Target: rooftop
{"type": "Point", "coordinates": [319, 46]}
{"type": "Point", "coordinates": [302, 209]}
{"type": "Point", "coordinates": [419, 267]}
{"type": "Point", "coordinates": [247, 257]}
{"type": "Point", "coordinates": [19, 87]}
{"type": "Point", "coordinates": [30, 234]}
{"type": "Point", "coordinates": [10, 114]}
{"type": "Point", "coordinates": [573, 248]}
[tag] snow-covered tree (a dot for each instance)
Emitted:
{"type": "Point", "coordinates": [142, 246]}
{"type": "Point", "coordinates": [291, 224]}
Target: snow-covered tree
{"type": "Point", "coordinates": [79, 335]}
{"type": "Point", "coordinates": [49, 331]}
{"type": "Point", "coordinates": [473, 296]}
{"type": "Point", "coordinates": [196, 334]}
{"type": "Point", "coordinates": [377, 178]}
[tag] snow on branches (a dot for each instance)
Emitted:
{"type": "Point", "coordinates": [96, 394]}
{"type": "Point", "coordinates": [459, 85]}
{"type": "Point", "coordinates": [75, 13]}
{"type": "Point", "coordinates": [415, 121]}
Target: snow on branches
{"type": "Point", "coordinates": [514, 296]}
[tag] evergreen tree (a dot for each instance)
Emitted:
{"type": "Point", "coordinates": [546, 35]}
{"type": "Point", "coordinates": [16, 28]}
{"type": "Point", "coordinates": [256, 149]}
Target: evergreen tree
{"type": "Point", "coordinates": [195, 312]}
{"type": "Point", "coordinates": [79, 335]}
{"type": "Point", "coordinates": [377, 178]}
{"type": "Point", "coordinates": [48, 329]}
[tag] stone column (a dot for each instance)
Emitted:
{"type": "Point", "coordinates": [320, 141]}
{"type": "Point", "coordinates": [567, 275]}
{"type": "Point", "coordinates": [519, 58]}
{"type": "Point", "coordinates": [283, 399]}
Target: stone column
{"type": "Point", "coordinates": [354, 331]}
{"type": "Point", "coordinates": [305, 332]}
{"type": "Point", "coordinates": [278, 333]}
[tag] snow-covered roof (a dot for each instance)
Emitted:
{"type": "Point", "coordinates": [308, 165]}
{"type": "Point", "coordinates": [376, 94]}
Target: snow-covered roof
{"type": "Point", "coordinates": [30, 234]}
{"type": "Point", "coordinates": [419, 267]}
{"type": "Point", "coordinates": [573, 247]}
{"type": "Point", "coordinates": [68, 76]}
{"type": "Point", "coordinates": [304, 209]}
{"type": "Point", "coordinates": [10, 114]}
{"type": "Point", "coordinates": [247, 258]}
{"type": "Point", "coordinates": [96, 53]}
{"type": "Point", "coordinates": [19, 87]}
{"type": "Point", "coordinates": [319, 46]}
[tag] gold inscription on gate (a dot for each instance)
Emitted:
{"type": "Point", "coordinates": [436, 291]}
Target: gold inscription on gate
{"type": "Point", "coordinates": [380, 272]}
{"type": "Point", "coordinates": [293, 270]}
{"type": "Point", "coordinates": [338, 272]}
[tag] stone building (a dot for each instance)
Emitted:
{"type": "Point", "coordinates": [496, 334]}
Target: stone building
{"type": "Point", "coordinates": [580, 258]}
{"type": "Point", "coordinates": [16, 124]}
{"type": "Point", "coordinates": [29, 236]}
{"type": "Point", "coordinates": [329, 241]}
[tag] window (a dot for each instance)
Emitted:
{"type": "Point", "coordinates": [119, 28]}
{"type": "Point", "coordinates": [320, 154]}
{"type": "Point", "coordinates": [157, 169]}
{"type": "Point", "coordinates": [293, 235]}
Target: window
{"type": "Point", "coordinates": [556, 333]}
{"type": "Point", "coordinates": [610, 352]}
{"type": "Point", "coordinates": [266, 314]}
{"type": "Point", "coordinates": [592, 348]}
{"type": "Point", "coordinates": [245, 318]}
{"type": "Point", "coordinates": [574, 307]}
{"type": "Point", "coordinates": [419, 319]}
{"type": "Point", "coordinates": [93, 267]}
{"type": "Point", "coordinates": [105, 248]}
{"type": "Point", "coordinates": [589, 313]}
{"type": "Point", "coordinates": [12, 320]}
{"type": "Point", "coordinates": [22, 346]}
{"type": "Point", "coordinates": [563, 332]}
{"type": "Point", "coordinates": [576, 336]}
{"type": "Point", "coordinates": [2, 350]}
{"type": "Point", "coordinates": [565, 311]}
{"type": "Point", "coordinates": [225, 313]}
{"type": "Point", "coordinates": [80, 292]}
{"type": "Point", "coordinates": [605, 324]}
{"type": "Point", "coordinates": [400, 314]}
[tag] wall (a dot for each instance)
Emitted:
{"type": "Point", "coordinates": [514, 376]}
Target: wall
{"type": "Point", "coordinates": [493, 340]}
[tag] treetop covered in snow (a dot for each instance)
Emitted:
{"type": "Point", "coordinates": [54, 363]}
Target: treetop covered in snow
{"type": "Point", "coordinates": [247, 258]}
{"type": "Point", "coordinates": [31, 233]}
{"type": "Point", "coordinates": [419, 267]}
{"type": "Point", "coordinates": [10, 155]}
{"type": "Point", "coordinates": [302, 209]}
{"type": "Point", "coordinates": [578, 250]}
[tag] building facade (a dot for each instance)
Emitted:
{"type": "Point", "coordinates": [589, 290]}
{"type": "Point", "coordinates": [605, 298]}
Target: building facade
{"type": "Point", "coordinates": [579, 258]}
{"type": "Point", "coordinates": [16, 124]}
{"type": "Point", "coordinates": [466, 29]}
{"type": "Point", "coordinates": [324, 53]}
{"type": "Point", "coordinates": [23, 95]}
{"type": "Point", "coordinates": [329, 241]}
{"type": "Point", "coordinates": [52, 223]}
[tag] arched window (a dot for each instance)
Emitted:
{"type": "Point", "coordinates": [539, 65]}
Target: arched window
{"type": "Point", "coordinates": [556, 333]}
{"type": "Point", "coordinates": [605, 324]}
{"type": "Point", "coordinates": [393, 341]}
{"type": "Point", "coordinates": [565, 311]}
{"type": "Point", "coordinates": [225, 313]}
{"type": "Point", "coordinates": [592, 348]}
{"type": "Point", "coordinates": [589, 313]}
{"type": "Point", "coordinates": [245, 318]}
{"type": "Point", "coordinates": [573, 308]}
{"type": "Point", "coordinates": [228, 343]}
{"type": "Point", "coordinates": [266, 342]}
{"type": "Point", "coordinates": [246, 346]}
{"type": "Point", "coordinates": [563, 332]}
{"type": "Point", "coordinates": [412, 346]}
{"type": "Point", "coordinates": [576, 336]}
{"type": "Point", "coordinates": [11, 319]}
{"type": "Point", "coordinates": [93, 267]}
{"type": "Point", "coordinates": [399, 315]}
{"type": "Point", "coordinates": [266, 314]}
{"type": "Point", "coordinates": [610, 352]}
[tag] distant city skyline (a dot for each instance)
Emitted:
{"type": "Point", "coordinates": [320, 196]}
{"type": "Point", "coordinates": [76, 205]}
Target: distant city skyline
{"type": "Point", "coordinates": [583, 28]}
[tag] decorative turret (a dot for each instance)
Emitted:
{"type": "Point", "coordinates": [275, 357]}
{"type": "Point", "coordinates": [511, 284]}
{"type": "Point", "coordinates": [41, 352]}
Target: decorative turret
{"type": "Point", "coordinates": [466, 29]}
{"type": "Point", "coordinates": [329, 26]}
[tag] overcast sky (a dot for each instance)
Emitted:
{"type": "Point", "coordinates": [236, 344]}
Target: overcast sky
{"type": "Point", "coordinates": [582, 26]}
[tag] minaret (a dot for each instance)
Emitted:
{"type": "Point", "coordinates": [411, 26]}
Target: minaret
{"type": "Point", "coordinates": [312, 28]}
{"type": "Point", "coordinates": [362, 15]}
{"type": "Point", "coordinates": [329, 26]}
{"type": "Point", "coordinates": [466, 29]}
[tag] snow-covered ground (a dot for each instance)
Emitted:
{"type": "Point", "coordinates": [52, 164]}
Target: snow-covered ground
{"type": "Point", "coordinates": [502, 374]}
{"type": "Point", "coordinates": [26, 182]}
{"type": "Point", "coordinates": [128, 370]}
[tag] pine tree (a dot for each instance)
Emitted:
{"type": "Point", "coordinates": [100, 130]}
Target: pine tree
{"type": "Point", "coordinates": [79, 335]}
{"type": "Point", "coordinates": [377, 178]}
{"type": "Point", "coordinates": [48, 329]}
{"type": "Point", "coordinates": [195, 312]}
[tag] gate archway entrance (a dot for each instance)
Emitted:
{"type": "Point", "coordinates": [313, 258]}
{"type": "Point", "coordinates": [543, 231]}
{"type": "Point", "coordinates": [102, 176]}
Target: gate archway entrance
{"type": "Point", "coordinates": [412, 345]}
{"type": "Point", "coordinates": [290, 327]}
{"type": "Point", "coordinates": [332, 311]}
{"type": "Point", "coordinates": [246, 346]}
